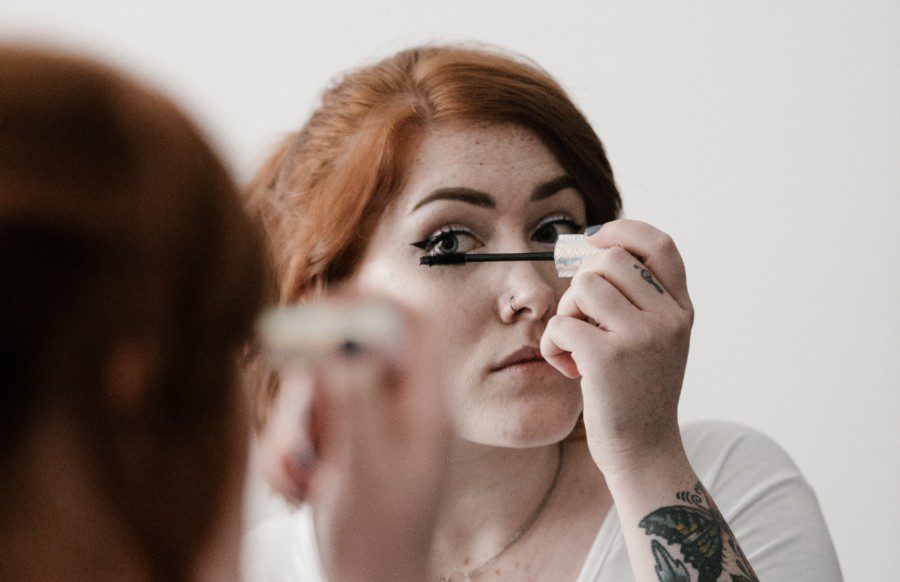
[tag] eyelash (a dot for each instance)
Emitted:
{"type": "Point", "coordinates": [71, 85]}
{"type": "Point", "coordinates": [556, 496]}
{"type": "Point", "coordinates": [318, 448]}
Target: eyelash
{"type": "Point", "coordinates": [428, 245]}
{"type": "Point", "coordinates": [432, 241]}
{"type": "Point", "coordinates": [560, 219]}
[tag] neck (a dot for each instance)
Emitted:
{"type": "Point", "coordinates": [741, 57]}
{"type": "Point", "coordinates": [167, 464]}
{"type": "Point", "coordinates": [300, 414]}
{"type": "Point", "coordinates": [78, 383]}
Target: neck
{"type": "Point", "coordinates": [491, 493]}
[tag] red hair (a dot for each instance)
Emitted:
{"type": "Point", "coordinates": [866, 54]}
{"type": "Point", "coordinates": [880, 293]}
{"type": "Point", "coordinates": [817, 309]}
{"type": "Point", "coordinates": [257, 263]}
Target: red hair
{"type": "Point", "coordinates": [119, 223]}
{"type": "Point", "coordinates": [320, 195]}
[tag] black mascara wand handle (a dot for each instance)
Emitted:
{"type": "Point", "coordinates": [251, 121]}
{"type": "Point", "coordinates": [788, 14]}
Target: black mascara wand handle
{"type": "Point", "coordinates": [489, 257]}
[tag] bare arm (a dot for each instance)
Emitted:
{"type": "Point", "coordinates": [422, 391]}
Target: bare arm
{"type": "Point", "coordinates": [672, 528]}
{"type": "Point", "coordinates": [623, 327]}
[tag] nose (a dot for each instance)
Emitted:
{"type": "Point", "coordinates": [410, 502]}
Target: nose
{"type": "Point", "coordinates": [529, 292]}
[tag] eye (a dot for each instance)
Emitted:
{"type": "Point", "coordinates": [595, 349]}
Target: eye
{"type": "Point", "coordinates": [548, 231]}
{"type": "Point", "coordinates": [450, 239]}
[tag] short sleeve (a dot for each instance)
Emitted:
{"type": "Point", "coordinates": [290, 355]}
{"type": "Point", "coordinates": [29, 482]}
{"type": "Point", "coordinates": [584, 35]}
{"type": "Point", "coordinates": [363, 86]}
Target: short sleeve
{"type": "Point", "coordinates": [766, 501]}
{"type": "Point", "coordinates": [282, 549]}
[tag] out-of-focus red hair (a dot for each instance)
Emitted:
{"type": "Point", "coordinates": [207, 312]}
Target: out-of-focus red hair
{"type": "Point", "coordinates": [120, 226]}
{"type": "Point", "coordinates": [320, 195]}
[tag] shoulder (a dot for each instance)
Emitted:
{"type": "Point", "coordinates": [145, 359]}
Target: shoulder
{"type": "Point", "coordinates": [765, 499]}
{"type": "Point", "coordinates": [718, 448]}
{"type": "Point", "coordinates": [283, 547]}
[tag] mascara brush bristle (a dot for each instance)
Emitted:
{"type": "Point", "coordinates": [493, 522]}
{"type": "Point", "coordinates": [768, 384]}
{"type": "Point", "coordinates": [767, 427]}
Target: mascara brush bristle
{"type": "Point", "coordinates": [444, 259]}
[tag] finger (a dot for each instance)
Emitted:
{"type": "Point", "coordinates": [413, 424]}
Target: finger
{"type": "Point", "coordinates": [360, 383]}
{"type": "Point", "coordinates": [286, 445]}
{"type": "Point", "coordinates": [656, 250]}
{"type": "Point", "coordinates": [567, 344]}
{"type": "Point", "coordinates": [631, 278]}
{"type": "Point", "coordinates": [591, 296]}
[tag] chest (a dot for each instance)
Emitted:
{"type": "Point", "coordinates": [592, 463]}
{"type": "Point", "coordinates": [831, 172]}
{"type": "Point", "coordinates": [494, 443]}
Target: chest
{"type": "Point", "coordinates": [558, 545]}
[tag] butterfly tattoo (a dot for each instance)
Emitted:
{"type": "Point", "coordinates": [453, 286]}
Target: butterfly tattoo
{"type": "Point", "coordinates": [702, 534]}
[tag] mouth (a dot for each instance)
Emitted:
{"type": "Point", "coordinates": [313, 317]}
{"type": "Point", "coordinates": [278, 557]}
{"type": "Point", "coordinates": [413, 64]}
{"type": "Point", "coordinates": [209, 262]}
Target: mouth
{"type": "Point", "coordinates": [526, 358]}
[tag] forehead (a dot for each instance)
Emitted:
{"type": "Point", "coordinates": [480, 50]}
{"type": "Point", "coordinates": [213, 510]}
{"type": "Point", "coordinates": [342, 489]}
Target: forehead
{"type": "Point", "coordinates": [480, 156]}
{"type": "Point", "coordinates": [496, 144]}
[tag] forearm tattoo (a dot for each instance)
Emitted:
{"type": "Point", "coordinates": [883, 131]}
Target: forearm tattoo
{"type": "Point", "coordinates": [704, 538]}
{"type": "Point", "coordinates": [648, 277]}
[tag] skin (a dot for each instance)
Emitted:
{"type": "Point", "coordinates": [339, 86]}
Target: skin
{"type": "Point", "coordinates": [469, 305]}
{"type": "Point", "coordinates": [508, 421]}
{"type": "Point", "coordinates": [612, 343]}
{"type": "Point", "coordinates": [615, 341]}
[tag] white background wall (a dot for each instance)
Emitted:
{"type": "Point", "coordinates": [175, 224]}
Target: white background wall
{"type": "Point", "coordinates": [763, 136]}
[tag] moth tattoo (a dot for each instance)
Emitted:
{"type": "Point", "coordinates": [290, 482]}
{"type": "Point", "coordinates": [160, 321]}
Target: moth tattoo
{"type": "Point", "coordinates": [698, 529]}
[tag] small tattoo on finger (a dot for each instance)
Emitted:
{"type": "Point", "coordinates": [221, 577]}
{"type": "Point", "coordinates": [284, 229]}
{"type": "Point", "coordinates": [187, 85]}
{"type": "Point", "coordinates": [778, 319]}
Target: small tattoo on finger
{"type": "Point", "coordinates": [648, 277]}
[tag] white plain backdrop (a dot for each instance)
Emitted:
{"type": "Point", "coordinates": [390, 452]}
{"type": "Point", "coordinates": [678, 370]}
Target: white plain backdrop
{"type": "Point", "coordinates": [763, 136]}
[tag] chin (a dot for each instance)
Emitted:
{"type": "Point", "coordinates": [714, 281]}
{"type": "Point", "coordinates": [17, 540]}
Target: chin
{"type": "Point", "coordinates": [524, 422]}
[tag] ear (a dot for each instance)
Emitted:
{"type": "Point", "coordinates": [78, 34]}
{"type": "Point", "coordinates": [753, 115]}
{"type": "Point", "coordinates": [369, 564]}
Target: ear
{"type": "Point", "coordinates": [129, 370]}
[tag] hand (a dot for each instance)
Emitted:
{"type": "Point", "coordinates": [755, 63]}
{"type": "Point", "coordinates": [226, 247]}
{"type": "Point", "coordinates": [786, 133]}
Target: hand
{"type": "Point", "coordinates": [624, 327]}
{"type": "Point", "coordinates": [370, 459]}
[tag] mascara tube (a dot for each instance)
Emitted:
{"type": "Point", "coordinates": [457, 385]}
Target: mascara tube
{"type": "Point", "coordinates": [569, 251]}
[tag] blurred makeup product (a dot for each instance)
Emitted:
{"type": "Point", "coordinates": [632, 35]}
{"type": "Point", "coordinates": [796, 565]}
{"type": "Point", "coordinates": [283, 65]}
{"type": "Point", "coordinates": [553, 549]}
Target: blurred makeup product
{"type": "Point", "coordinates": [567, 255]}
{"type": "Point", "coordinates": [315, 331]}
{"type": "Point", "coordinates": [306, 345]}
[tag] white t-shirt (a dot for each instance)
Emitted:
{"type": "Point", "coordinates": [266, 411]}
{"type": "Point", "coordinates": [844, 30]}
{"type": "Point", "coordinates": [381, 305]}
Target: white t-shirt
{"type": "Point", "coordinates": [771, 509]}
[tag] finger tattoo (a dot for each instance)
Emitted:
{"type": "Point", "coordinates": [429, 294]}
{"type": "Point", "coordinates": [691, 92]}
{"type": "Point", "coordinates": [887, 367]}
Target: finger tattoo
{"type": "Point", "coordinates": [648, 277]}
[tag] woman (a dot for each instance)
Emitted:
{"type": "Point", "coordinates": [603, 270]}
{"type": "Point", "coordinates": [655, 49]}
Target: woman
{"type": "Point", "coordinates": [131, 280]}
{"type": "Point", "coordinates": [447, 150]}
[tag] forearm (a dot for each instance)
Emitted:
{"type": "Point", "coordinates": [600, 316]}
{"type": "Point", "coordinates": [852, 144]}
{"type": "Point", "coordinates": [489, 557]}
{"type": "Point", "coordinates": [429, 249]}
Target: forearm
{"type": "Point", "coordinates": [672, 528]}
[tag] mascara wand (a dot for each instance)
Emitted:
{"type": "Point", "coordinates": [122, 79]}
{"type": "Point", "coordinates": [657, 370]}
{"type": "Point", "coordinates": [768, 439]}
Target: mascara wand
{"type": "Point", "coordinates": [463, 258]}
{"type": "Point", "coordinates": [570, 249]}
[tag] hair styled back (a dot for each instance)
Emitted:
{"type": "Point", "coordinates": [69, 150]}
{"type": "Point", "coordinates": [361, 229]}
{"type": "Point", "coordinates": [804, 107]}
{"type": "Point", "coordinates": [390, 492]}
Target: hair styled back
{"type": "Point", "coordinates": [320, 195]}
{"type": "Point", "coordinates": [322, 192]}
{"type": "Point", "coordinates": [120, 228]}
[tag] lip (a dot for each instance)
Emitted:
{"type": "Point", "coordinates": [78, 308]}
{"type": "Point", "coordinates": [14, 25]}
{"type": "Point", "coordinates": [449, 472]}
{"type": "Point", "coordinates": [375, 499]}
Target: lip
{"type": "Point", "coordinates": [527, 356]}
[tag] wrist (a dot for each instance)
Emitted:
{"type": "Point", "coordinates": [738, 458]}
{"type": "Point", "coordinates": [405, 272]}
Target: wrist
{"type": "Point", "coordinates": [647, 459]}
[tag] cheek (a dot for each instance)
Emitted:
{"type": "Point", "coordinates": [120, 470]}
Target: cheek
{"type": "Point", "coordinates": [452, 305]}
{"type": "Point", "coordinates": [560, 286]}
{"type": "Point", "coordinates": [438, 294]}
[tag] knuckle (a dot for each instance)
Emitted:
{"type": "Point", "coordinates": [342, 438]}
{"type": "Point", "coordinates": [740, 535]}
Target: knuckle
{"type": "Point", "coordinates": [666, 243]}
{"type": "Point", "coordinates": [581, 279]}
{"type": "Point", "coordinates": [553, 325]}
{"type": "Point", "coordinates": [677, 326]}
{"type": "Point", "coordinates": [616, 253]}
{"type": "Point", "coordinates": [587, 282]}
{"type": "Point", "coordinates": [591, 263]}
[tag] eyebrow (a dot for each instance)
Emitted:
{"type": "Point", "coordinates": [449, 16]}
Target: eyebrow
{"type": "Point", "coordinates": [484, 200]}
{"type": "Point", "coordinates": [548, 189]}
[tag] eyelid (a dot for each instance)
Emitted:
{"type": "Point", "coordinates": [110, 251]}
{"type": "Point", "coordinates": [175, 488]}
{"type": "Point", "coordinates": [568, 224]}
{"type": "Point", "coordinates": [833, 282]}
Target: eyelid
{"type": "Point", "coordinates": [451, 228]}
{"type": "Point", "coordinates": [558, 217]}
{"type": "Point", "coordinates": [432, 240]}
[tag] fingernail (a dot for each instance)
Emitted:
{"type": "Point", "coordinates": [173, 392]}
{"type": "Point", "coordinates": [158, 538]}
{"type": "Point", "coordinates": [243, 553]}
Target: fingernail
{"type": "Point", "coordinates": [305, 459]}
{"type": "Point", "coordinates": [592, 229]}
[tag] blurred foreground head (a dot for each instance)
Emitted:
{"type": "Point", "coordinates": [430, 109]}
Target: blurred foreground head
{"type": "Point", "coordinates": [130, 278]}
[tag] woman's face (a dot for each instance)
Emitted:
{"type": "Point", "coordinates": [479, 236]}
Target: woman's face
{"type": "Point", "coordinates": [486, 189]}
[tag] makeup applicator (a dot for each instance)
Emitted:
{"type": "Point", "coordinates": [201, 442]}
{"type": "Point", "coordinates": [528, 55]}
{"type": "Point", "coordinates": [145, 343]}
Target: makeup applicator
{"type": "Point", "coordinates": [567, 255]}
